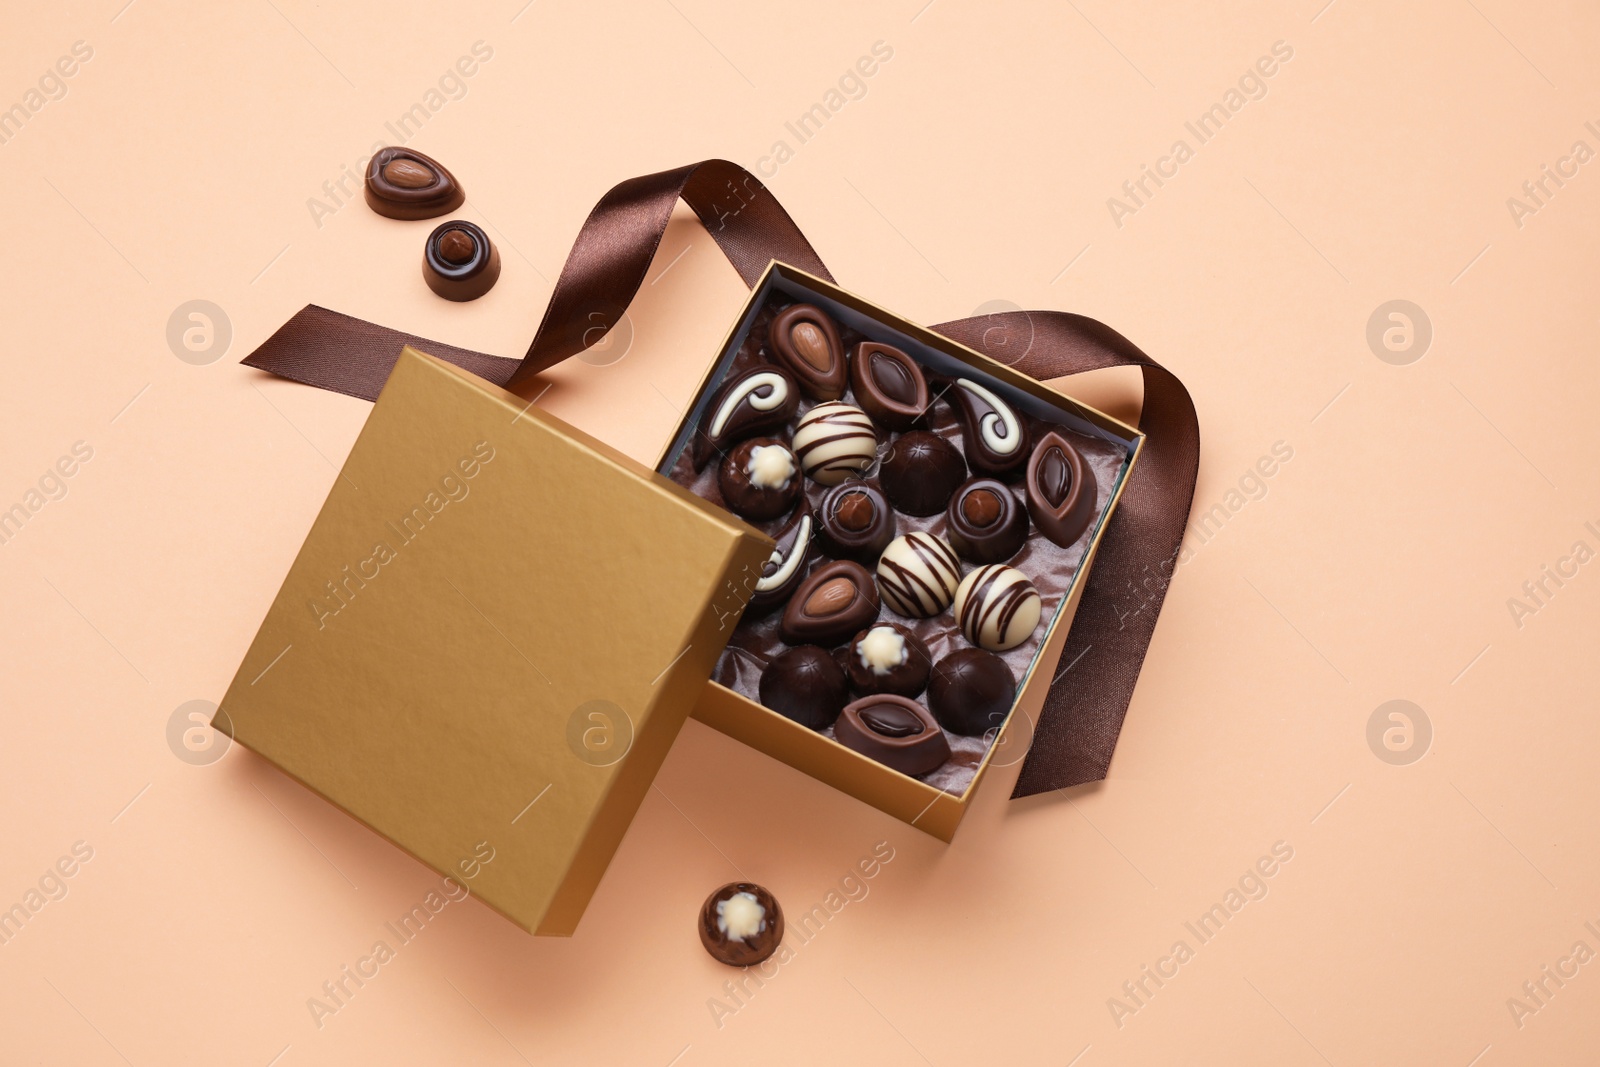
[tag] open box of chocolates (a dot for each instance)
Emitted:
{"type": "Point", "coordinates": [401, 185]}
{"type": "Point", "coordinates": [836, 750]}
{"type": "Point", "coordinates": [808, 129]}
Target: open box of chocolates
{"type": "Point", "coordinates": [934, 514]}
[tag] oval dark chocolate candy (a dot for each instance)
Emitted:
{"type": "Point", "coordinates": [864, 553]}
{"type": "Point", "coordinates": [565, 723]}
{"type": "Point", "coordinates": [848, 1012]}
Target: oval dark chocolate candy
{"type": "Point", "coordinates": [834, 601]}
{"type": "Point", "coordinates": [856, 521]}
{"type": "Point", "coordinates": [920, 471]}
{"type": "Point", "coordinates": [1062, 495]}
{"type": "Point", "coordinates": [805, 684]}
{"type": "Point", "coordinates": [741, 924]}
{"type": "Point", "coordinates": [758, 400]}
{"type": "Point", "coordinates": [985, 523]}
{"type": "Point", "coordinates": [971, 692]}
{"type": "Point", "coordinates": [459, 262]}
{"type": "Point", "coordinates": [993, 433]}
{"type": "Point", "coordinates": [896, 731]}
{"type": "Point", "coordinates": [888, 658]}
{"type": "Point", "coordinates": [785, 569]}
{"type": "Point", "coordinates": [760, 479]}
{"type": "Point", "coordinates": [806, 343]}
{"type": "Point", "coordinates": [404, 184]}
{"type": "Point", "coordinates": [888, 385]}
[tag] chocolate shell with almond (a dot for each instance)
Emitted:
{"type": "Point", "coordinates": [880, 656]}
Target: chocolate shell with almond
{"type": "Point", "coordinates": [985, 521]}
{"type": "Point", "coordinates": [855, 521]}
{"type": "Point", "coordinates": [896, 731]}
{"type": "Point", "coordinates": [993, 432]}
{"type": "Point", "coordinates": [806, 343]}
{"type": "Point", "coordinates": [1062, 496]}
{"type": "Point", "coordinates": [888, 385]}
{"type": "Point", "coordinates": [759, 400]}
{"type": "Point", "coordinates": [834, 602]}
{"type": "Point", "coordinates": [786, 568]}
{"type": "Point", "coordinates": [405, 184]}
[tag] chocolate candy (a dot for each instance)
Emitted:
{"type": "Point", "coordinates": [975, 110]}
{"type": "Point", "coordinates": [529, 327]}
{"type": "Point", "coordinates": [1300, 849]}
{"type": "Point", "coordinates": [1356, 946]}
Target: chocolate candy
{"type": "Point", "coordinates": [759, 400]}
{"type": "Point", "coordinates": [785, 569]}
{"type": "Point", "coordinates": [805, 684]}
{"type": "Point", "coordinates": [971, 692]}
{"type": "Point", "coordinates": [856, 520]}
{"type": "Point", "coordinates": [918, 574]}
{"type": "Point", "coordinates": [403, 184]}
{"type": "Point", "coordinates": [835, 440]}
{"type": "Point", "coordinates": [985, 521]}
{"type": "Point", "coordinates": [895, 731]}
{"type": "Point", "coordinates": [888, 658]}
{"type": "Point", "coordinates": [920, 471]}
{"type": "Point", "coordinates": [995, 436]}
{"type": "Point", "coordinates": [1062, 496]}
{"type": "Point", "coordinates": [806, 343]}
{"type": "Point", "coordinates": [760, 479]}
{"type": "Point", "coordinates": [459, 262]}
{"type": "Point", "coordinates": [741, 924]}
{"type": "Point", "coordinates": [888, 385]}
{"type": "Point", "coordinates": [997, 607]}
{"type": "Point", "coordinates": [837, 599]}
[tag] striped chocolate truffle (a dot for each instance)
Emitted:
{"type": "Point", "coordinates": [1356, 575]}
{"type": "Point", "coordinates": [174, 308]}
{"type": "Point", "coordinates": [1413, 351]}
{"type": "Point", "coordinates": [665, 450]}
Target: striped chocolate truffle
{"type": "Point", "coordinates": [918, 574]}
{"type": "Point", "coordinates": [997, 607]}
{"type": "Point", "coordinates": [834, 441]}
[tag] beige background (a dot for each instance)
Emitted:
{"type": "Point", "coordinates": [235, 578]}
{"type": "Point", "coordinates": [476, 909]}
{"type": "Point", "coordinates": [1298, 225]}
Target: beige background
{"type": "Point", "coordinates": [975, 168]}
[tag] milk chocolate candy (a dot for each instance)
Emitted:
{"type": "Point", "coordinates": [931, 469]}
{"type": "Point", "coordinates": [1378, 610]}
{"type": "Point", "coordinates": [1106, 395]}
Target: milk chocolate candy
{"type": "Point", "coordinates": [459, 262]}
{"type": "Point", "coordinates": [888, 385]}
{"type": "Point", "coordinates": [888, 658]}
{"type": "Point", "coordinates": [835, 601]}
{"type": "Point", "coordinates": [805, 684]}
{"type": "Point", "coordinates": [1062, 496]}
{"type": "Point", "coordinates": [896, 731]}
{"type": "Point", "coordinates": [920, 471]}
{"type": "Point", "coordinates": [834, 441]}
{"type": "Point", "coordinates": [985, 522]}
{"type": "Point", "coordinates": [997, 607]}
{"type": "Point", "coordinates": [760, 479]}
{"type": "Point", "coordinates": [855, 521]}
{"type": "Point", "coordinates": [806, 343]}
{"type": "Point", "coordinates": [785, 569]}
{"type": "Point", "coordinates": [971, 692]}
{"type": "Point", "coordinates": [741, 924]}
{"type": "Point", "coordinates": [918, 574]}
{"type": "Point", "coordinates": [405, 184]}
{"type": "Point", "coordinates": [760, 400]}
{"type": "Point", "coordinates": [995, 436]}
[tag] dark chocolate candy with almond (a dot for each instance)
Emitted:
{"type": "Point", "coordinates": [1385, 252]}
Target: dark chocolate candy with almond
{"type": "Point", "coordinates": [806, 343]}
{"type": "Point", "coordinates": [834, 602]}
{"type": "Point", "coordinates": [405, 184]}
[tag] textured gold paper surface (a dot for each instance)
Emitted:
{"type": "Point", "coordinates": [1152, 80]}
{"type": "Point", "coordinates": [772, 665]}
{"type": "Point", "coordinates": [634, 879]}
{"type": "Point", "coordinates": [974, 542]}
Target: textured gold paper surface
{"type": "Point", "coordinates": [492, 633]}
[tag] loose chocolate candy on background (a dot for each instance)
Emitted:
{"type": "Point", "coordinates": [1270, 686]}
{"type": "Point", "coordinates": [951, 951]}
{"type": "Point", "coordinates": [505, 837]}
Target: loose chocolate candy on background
{"type": "Point", "coordinates": [1062, 496]}
{"type": "Point", "coordinates": [985, 521]}
{"type": "Point", "coordinates": [835, 601]}
{"type": "Point", "coordinates": [741, 924]}
{"type": "Point", "coordinates": [997, 607]}
{"type": "Point", "coordinates": [856, 521]}
{"type": "Point", "coordinates": [759, 400]}
{"type": "Point", "coordinates": [995, 436]}
{"type": "Point", "coordinates": [806, 342]}
{"type": "Point", "coordinates": [835, 440]}
{"type": "Point", "coordinates": [760, 479]}
{"type": "Point", "coordinates": [888, 385]}
{"type": "Point", "coordinates": [920, 471]}
{"type": "Point", "coordinates": [971, 692]}
{"type": "Point", "coordinates": [918, 574]}
{"type": "Point", "coordinates": [785, 569]}
{"type": "Point", "coordinates": [403, 184]}
{"type": "Point", "coordinates": [888, 658]}
{"type": "Point", "coordinates": [459, 262]}
{"type": "Point", "coordinates": [896, 731]}
{"type": "Point", "coordinates": [805, 684]}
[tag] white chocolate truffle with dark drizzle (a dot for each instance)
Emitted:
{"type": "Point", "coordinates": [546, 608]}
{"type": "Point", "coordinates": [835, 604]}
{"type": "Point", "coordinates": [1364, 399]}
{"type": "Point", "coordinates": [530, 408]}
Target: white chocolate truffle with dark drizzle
{"type": "Point", "coordinates": [997, 607]}
{"type": "Point", "coordinates": [835, 440]}
{"type": "Point", "coordinates": [918, 574]}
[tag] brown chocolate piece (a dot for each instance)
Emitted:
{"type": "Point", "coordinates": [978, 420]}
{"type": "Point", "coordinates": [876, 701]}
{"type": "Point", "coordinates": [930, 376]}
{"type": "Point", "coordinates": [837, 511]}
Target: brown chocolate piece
{"type": "Point", "coordinates": [896, 731]}
{"type": "Point", "coordinates": [404, 184]}
{"type": "Point", "coordinates": [888, 385]}
{"type": "Point", "coordinates": [1062, 497]}
{"type": "Point", "coordinates": [760, 400]}
{"type": "Point", "coordinates": [920, 471]}
{"type": "Point", "coordinates": [856, 521]}
{"type": "Point", "coordinates": [786, 568]}
{"type": "Point", "coordinates": [459, 262]}
{"type": "Point", "coordinates": [993, 432]}
{"type": "Point", "coordinates": [741, 924]}
{"type": "Point", "coordinates": [971, 692]}
{"type": "Point", "coordinates": [986, 522]}
{"type": "Point", "coordinates": [760, 479]}
{"type": "Point", "coordinates": [835, 601]}
{"type": "Point", "coordinates": [888, 658]}
{"type": "Point", "coordinates": [806, 343]}
{"type": "Point", "coordinates": [805, 684]}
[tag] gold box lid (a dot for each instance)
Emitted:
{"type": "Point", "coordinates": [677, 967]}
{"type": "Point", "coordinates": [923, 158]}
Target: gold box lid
{"type": "Point", "coordinates": [492, 634]}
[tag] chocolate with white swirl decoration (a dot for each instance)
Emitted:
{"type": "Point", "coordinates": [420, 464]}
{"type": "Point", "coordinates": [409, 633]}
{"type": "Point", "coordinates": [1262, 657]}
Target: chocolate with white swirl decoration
{"type": "Point", "coordinates": [997, 607]}
{"type": "Point", "coordinates": [835, 440]}
{"type": "Point", "coordinates": [995, 437]}
{"type": "Point", "coordinates": [760, 400]}
{"type": "Point", "coordinates": [918, 574]}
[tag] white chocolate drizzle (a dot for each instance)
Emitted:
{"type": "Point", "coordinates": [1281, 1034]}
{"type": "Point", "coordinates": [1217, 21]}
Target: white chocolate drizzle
{"type": "Point", "coordinates": [787, 567]}
{"type": "Point", "coordinates": [777, 393]}
{"type": "Point", "coordinates": [999, 426]}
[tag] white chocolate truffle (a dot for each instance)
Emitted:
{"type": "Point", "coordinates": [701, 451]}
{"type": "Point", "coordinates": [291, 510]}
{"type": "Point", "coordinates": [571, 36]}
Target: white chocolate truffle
{"type": "Point", "coordinates": [770, 466]}
{"type": "Point", "coordinates": [835, 440]}
{"type": "Point", "coordinates": [918, 574]}
{"type": "Point", "coordinates": [741, 916]}
{"type": "Point", "coordinates": [882, 650]}
{"type": "Point", "coordinates": [997, 607]}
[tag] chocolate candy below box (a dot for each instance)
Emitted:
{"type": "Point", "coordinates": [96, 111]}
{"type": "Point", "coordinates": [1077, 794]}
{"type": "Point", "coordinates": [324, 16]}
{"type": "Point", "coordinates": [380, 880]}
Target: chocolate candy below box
{"type": "Point", "coordinates": [929, 527]}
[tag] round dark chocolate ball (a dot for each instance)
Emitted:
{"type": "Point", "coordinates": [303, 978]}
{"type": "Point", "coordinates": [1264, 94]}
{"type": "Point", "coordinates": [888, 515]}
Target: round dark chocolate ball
{"type": "Point", "coordinates": [856, 521]}
{"type": "Point", "coordinates": [741, 924]}
{"type": "Point", "coordinates": [888, 658]}
{"type": "Point", "coordinates": [971, 692]}
{"type": "Point", "coordinates": [986, 523]}
{"type": "Point", "coordinates": [805, 684]}
{"type": "Point", "coordinates": [920, 471]}
{"type": "Point", "coordinates": [760, 479]}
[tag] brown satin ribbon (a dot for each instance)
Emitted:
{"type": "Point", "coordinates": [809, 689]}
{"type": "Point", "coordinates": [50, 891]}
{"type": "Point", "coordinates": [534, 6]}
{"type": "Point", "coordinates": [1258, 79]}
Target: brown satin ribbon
{"type": "Point", "coordinates": [1083, 712]}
